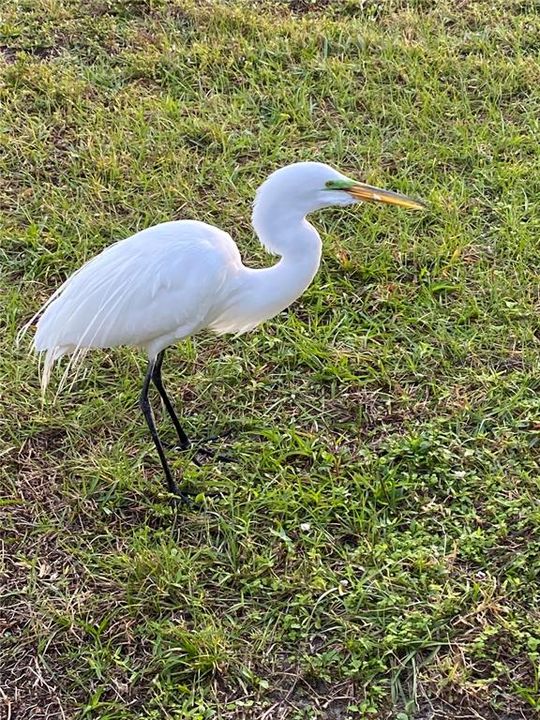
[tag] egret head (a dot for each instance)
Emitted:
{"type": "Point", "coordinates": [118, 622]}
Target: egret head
{"type": "Point", "coordinates": [307, 186]}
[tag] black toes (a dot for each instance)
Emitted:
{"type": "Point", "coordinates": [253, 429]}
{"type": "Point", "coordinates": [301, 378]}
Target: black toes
{"type": "Point", "coordinates": [175, 447]}
{"type": "Point", "coordinates": [210, 454]}
{"type": "Point", "coordinates": [199, 452]}
{"type": "Point", "coordinates": [181, 499]}
{"type": "Point", "coordinates": [219, 436]}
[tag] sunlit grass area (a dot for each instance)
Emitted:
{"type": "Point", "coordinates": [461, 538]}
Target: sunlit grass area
{"type": "Point", "coordinates": [374, 550]}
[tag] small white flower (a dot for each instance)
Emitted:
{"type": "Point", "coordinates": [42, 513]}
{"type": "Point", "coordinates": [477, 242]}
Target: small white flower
{"type": "Point", "coordinates": [305, 527]}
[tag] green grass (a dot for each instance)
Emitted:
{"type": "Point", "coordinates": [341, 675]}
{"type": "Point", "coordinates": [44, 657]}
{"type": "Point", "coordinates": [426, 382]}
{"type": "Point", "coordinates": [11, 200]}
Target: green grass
{"type": "Point", "coordinates": [375, 549]}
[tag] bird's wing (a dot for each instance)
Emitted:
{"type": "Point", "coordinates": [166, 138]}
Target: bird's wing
{"type": "Point", "coordinates": [151, 285]}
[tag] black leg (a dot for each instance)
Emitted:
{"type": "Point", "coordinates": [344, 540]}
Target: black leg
{"type": "Point", "coordinates": [184, 441]}
{"type": "Point", "coordinates": [158, 382]}
{"type": "Point", "coordinates": [146, 409]}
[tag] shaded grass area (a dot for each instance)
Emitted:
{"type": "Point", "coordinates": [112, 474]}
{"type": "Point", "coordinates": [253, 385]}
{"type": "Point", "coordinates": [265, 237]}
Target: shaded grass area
{"type": "Point", "coordinates": [374, 550]}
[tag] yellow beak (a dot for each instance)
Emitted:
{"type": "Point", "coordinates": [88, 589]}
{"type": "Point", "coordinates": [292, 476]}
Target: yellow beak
{"type": "Point", "coordinates": [369, 193]}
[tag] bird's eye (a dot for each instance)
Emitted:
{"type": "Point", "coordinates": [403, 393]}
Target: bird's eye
{"type": "Point", "coordinates": [329, 184]}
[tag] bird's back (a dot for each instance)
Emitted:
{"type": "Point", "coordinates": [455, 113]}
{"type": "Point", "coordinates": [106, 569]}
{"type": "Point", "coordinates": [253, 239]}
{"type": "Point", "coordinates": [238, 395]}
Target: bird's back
{"type": "Point", "coordinates": [146, 290]}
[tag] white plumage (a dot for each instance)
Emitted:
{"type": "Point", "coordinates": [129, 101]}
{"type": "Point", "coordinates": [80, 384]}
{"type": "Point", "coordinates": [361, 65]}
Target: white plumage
{"type": "Point", "coordinates": [174, 279]}
{"type": "Point", "coordinates": [148, 290]}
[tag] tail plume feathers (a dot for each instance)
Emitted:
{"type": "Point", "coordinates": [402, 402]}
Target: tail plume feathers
{"type": "Point", "coordinates": [51, 356]}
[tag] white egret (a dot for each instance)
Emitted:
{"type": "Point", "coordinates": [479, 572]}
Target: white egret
{"type": "Point", "coordinates": [171, 280]}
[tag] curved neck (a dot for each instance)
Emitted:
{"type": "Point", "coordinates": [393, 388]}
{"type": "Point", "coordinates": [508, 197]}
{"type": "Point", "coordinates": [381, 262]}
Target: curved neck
{"type": "Point", "coordinates": [286, 233]}
{"type": "Point", "coordinates": [259, 294]}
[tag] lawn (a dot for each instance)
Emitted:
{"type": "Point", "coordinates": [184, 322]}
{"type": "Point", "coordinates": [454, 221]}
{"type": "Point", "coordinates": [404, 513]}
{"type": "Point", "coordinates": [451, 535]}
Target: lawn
{"type": "Point", "coordinates": [374, 551]}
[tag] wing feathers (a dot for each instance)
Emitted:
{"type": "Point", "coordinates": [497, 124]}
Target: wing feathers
{"type": "Point", "coordinates": [136, 291]}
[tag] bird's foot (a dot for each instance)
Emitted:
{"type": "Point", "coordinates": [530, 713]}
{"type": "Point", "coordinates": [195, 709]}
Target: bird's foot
{"type": "Point", "coordinates": [198, 449]}
{"type": "Point", "coordinates": [180, 499]}
{"type": "Point", "coordinates": [203, 452]}
{"type": "Point", "coordinates": [209, 455]}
